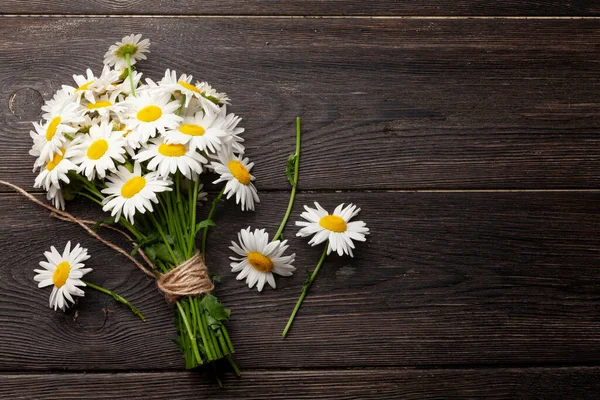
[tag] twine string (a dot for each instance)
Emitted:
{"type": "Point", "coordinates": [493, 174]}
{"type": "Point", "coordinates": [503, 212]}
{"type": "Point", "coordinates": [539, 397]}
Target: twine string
{"type": "Point", "coordinates": [188, 278]}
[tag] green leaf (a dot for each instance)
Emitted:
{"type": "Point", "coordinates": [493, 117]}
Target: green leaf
{"type": "Point", "coordinates": [162, 252]}
{"type": "Point", "coordinates": [291, 166]}
{"type": "Point", "coordinates": [150, 252]}
{"type": "Point", "coordinates": [216, 312]}
{"type": "Point", "coordinates": [203, 224]}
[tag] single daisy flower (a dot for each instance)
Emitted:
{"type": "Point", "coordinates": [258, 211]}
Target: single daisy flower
{"type": "Point", "coordinates": [201, 132]}
{"type": "Point", "coordinates": [56, 170]}
{"type": "Point", "coordinates": [106, 103]}
{"type": "Point", "coordinates": [236, 172]}
{"type": "Point", "coordinates": [128, 191]}
{"type": "Point", "coordinates": [169, 158]}
{"type": "Point", "coordinates": [55, 195]}
{"type": "Point", "coordinates": [60, 100]}
{"type": "Point", "coordinates": [260, 259]}
{"type": "Point", "coordinates": [99, 151]}
{"type": "Point", "coordinates": [228, 124]}
{"type": "Point", "coordinates": [170, 84]}
{"type": "Point", "coordinates": [334, 227]}
{"type": "Point", "coordinates": [211, 94]}
{"type": "Point", "coordinates": [89, 86]}
{"type": "Point", "coordinates": [117, 53]}
{"type": "Point", "coordinates": [64, 272]}
{"type": "Point", "coordinates": [148, 113]}
{"type": "Point", "coordinates": [49, 136]}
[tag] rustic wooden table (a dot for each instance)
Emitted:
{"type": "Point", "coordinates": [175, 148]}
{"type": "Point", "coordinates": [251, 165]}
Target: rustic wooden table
{"type": "Point", "coordinates": [471, 144]}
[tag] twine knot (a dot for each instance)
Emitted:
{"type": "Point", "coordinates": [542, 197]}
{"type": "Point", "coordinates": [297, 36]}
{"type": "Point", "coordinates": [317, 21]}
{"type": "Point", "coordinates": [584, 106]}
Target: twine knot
{"type": "Point", "coordinates": [187, 279]}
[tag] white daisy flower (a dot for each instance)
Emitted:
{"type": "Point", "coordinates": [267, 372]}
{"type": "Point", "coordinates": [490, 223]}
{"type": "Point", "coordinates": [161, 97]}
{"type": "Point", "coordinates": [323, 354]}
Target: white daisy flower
{"type": "Point", "coordinates": [148, 113]}
{"type": "Point", "coordinates": [64, 272]}
{"type": "Point", "coordinates": [228, 124]}
{"type": "Point", "coordinates": [211, 94]}
{"type": "Point", "coordinates": [104, 104]}
{"type": "Point", "coordinates": [201, 132]}
{"type": "Point", "coordinates": [99, 151]}
{"type": "Point", "coordinates": [56, 169]}
{"type": "Point", "coordinates": [60, 99]}
{"type": "Point", "coordinates": [171, 85]}
{"type": "Point", "coordinates": [236, 172]}
{"type": "Point", "coordinates": [55, 195]}
{"type": "Point", "coordinates": [260, 259]}
{"type": "Point", "coordinates": [169, 158]}
{"type": "Point", "coordinates": [128, 191]}
{"type": "Point", "coordinates": [50, 136]}
{"type": "Point", "coordinates": [116, 54]}
{"type": "Point", "coordinates": [89, 86]}
{"type": "Point", "coordinates": [333, 227]}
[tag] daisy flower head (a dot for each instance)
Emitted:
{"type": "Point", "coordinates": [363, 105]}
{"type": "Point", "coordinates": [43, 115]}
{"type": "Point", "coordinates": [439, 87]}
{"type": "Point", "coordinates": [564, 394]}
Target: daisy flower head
{"type": "Point", "coordinates": [209, 93]}
{"type": "Point", "coordinates": [259, 259]}
{"type": "Point", "coordinates": [55, 195]}
{"type": "Point", "coordinates": [63, 271]}
{"type": "Point", "coordinates": [130, 191]}
{"type": "Point", "coordinates": [89, 86]}
{"type": "Point", "coordinates": [168, 158]}
{"type": "Point", "coordinates": [334, 227]}
{"type": "Point", "coordinates": [99, 151]}
{"type": "Point", "coordinates": [171, 84]}
{"type": "Point", "coordinates": [56, 170]}
{"type": "Point", "coordinates": [228, 124]}
{"type": "Point", "coordinates": [130, 45]}
{"type": "Point", "coordinates": [60, 100]}
{"type": "Point", "coordinates": [105, 104]}
{"type": "Point", "coordinates": [49, 136]}
{"type": "Point", "coordinates": [148, 113]}
{"type": "Point", "coordinates": [236, 172]}
{"type": "Point", "coordinates": [201, 132]}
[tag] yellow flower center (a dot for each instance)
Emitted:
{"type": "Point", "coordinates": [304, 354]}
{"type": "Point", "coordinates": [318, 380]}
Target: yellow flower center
{"type": "Point", "coordinates": [240, 172]}
{"type": "Point", "coordinates": [149, 114]}
{"type": "Point", "coordinates": [61, 274]}
{"type": "Point", "coordinates": [191, 129]}
{"type": "Point", "coordinates": [84, 87]}
{"type": "Point", "coordinates": [55, 160]}
{"type": "Point", "coordinates": [333, 223]}
{"type": "Point", "coordinates": [260, 261]}
{"type": "Point", "coordinates": [51, 131]}
{"type": "Point", "coordinates": [189, 86]}
{"type": "Point", "coordinates": [133, 186]}
{"type": "Point", "coordinates": [99, 104]}
{"type": "Point", "coordinates": [97, 149]}
{"type": "Point", "coordinates": [172, 150]}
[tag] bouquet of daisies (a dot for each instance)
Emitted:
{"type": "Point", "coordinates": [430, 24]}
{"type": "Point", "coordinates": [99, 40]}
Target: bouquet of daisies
{"type": "Point", "coordinates": [140, 151]}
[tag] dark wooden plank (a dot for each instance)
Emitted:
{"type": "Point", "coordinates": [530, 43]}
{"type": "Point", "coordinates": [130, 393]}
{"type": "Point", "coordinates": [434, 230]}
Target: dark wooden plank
{"type": "Point", "coordinates": [308, 7]}
{"type": "Point", "coordinates": [385, 103]}
{"type": "Point", "coordinates": [531, 383]}
{"type": "Point", "coordinates": [445, 279]}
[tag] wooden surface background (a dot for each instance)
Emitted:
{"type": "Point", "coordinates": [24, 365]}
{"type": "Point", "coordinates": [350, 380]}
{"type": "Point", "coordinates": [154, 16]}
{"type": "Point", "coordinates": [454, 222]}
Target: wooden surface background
{"type": "Point", "coordinates": [470, 143]}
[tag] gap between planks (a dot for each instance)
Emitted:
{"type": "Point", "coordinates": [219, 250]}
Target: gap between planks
{"type": "Point", "coordinates": [407, 17]}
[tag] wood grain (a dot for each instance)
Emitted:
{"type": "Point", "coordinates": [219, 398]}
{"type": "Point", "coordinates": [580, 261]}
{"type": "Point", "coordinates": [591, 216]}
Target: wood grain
{"type": "Point", "coordinates": [532, 383]}
{"type": "Point", "coordinates": [445, 279]}
{"type": "Point", "coordinates": [386, 104]}
{"type": "Point", "coordinates": [307, 7]}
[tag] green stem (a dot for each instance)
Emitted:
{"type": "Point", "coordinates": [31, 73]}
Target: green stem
{"type": "Point", "coordinates": [117, 297]}
{"type": "Point", "coordinates": [210, 215]}
{"type": "Point", "coordinates": [305, 289]}
{"type": "Point", "coordinates": [189, 330]}
{"type": "Point", "coordinates": [129, 73]}
{"type": "Point", "coordinates": [294, 185]}
{"type": "Point", "coordinates": [193, 209]}
{"type": "Point", "coordinates": [181, 105]}
{"type": "Point", "coordinates": [164, 238]}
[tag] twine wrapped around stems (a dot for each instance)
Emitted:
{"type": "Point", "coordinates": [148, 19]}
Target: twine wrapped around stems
{"type": "Point", "coordinates": [187, 279]}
